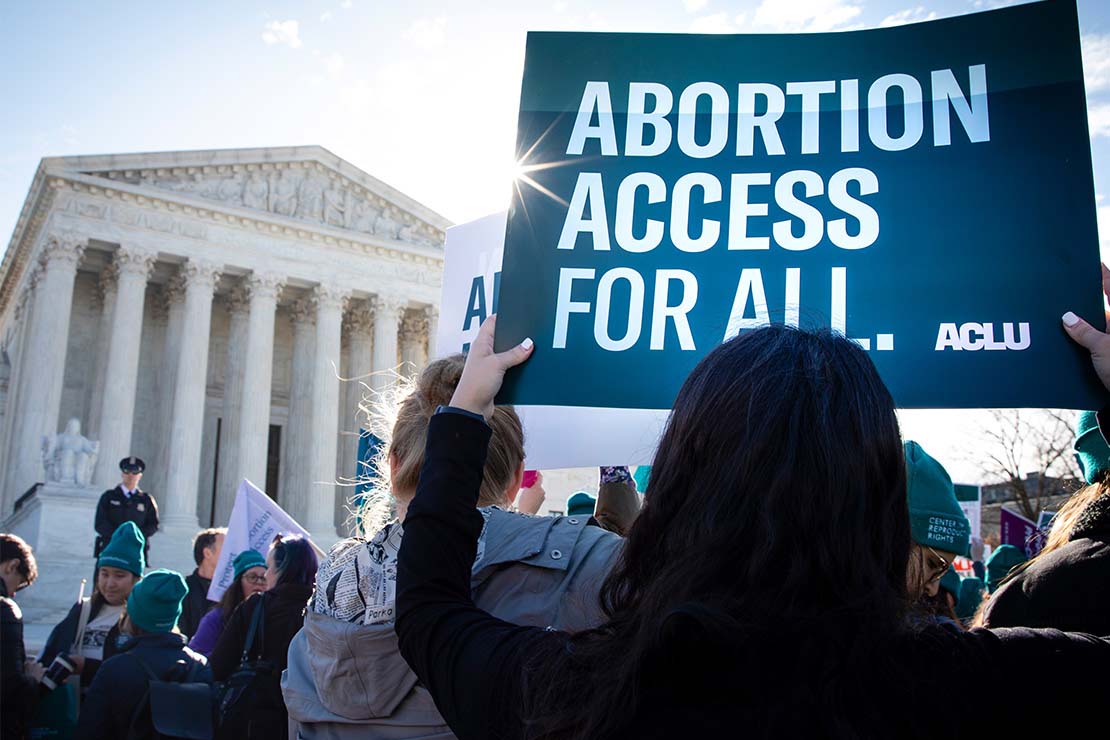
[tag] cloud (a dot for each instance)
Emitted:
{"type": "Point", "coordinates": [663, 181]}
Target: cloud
{"type": "Point", "coordinates": [805, 15]}
{"type": "Point", "coordinates": [283, 32]}
{"type": "Point", "coordinates": [334, 64]}
{"type": "Point", "coordinates": [717, 23]}
{"type": "Point", "coordinates": [345, 4]}
{"type": "Point", "coordinates": [559, 7]}
{"type": "Point", "coordinates": [693, 6]}
{"type": "Point", "coordinates": [427, 33]}
{"type": "Point", "coordinates": [1096, 61]}
{"type": "Point", "coordinates": [909, 15]}
{"type": "Point", "coordinates": [325, 16]}
{"type": "Point", "coordinates": [1098, 119]}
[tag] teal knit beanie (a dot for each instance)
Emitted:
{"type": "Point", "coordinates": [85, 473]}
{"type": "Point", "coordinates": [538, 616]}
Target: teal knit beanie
{"type": "Point", "coordinates": [971, 595]}
{"type": "Point", "coordinates": [642, 476]}
{"type": "Point", "coordinates": [950, 582]}
{"type": "Point", "coordinates": [155, 603]}
{"type": "Point", "coordinates": [1000, 563]}
{"type": "Point", "coordinates": [1090, 447]}
{"type": "Point", "coordinates": [581, 504]}
{"type": "Point", "coordinates": [936, 519]}
{"type": "Point", "coordinates": [124, 550]}
{"type": "Point", "coordinates": [246, 560]}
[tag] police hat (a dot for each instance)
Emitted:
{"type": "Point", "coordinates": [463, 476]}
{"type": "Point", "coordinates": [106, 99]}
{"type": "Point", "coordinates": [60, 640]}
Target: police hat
{"type": "Point", "coordinates": [132, 464]}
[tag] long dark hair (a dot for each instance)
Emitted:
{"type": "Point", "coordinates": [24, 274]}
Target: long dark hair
{"type": "Point", "coordinates": [232, 598]}
{"type": "Point", "coordinates": [294, 560]}
{"type": "Point", "coordinates": [776, 512]}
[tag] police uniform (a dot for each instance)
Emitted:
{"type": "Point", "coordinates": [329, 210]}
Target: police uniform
{"type": "Point", "coordinates": [116, 507]}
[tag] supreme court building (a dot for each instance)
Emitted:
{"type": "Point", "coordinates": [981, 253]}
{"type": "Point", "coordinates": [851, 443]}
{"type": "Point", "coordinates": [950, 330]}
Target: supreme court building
{"type": "Point", "coordinates": [200, 310]}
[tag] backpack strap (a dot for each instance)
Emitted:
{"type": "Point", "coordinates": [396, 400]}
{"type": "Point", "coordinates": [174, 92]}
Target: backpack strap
{"type": "Point", "coordinates": [257, 629]}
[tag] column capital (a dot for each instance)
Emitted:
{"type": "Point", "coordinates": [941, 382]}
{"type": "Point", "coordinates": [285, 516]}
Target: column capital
{"type": "Point", "coordinates": [432, 312]}
{"type": "Point", "coordinates": [330, 296]}
{"type": "Point", "coordinates": [414, 325]}
{"type": "Point", "coordinates": [200, 274]}
{"type": "Point", "coordinates": [303, 310]}
{"type": "Point", "coordinates": [264, 284]}
{"type": "Point", "coordinates": [174, 290]}
{"type": "Point", "coordinates": [64, 249]}
{"type": "Point", "coordinates": [132, 260]}
{"type": "Point", "coordinates": [358, 319]}
{"type": "Point", "coordinates": [387, 305]}
{"type": "Point", "coordinates": [237, 299]}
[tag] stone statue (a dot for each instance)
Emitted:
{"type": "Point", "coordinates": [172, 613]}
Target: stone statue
{"type": "Point", "coordinates": [285, 194]}
{"type": "Point", "coordinates": [335, 205]}
{"type": "Point", "coordinates": [230, 190]}
{"type": "Point", "coordinates": [69, 458]}
{"type": "Point", "coordinates": [310, 204]}
{"type": "Point", "coordinates": [256, 195]}
{"type": "Point", "coordinates": [385, 226]}
{"type": "Point", "coordinates": [362, 216]}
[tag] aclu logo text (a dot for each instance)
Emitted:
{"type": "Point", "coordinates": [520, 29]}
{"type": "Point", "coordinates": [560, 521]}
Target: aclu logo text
{"type": "Point", "coordinates": [974, 336]}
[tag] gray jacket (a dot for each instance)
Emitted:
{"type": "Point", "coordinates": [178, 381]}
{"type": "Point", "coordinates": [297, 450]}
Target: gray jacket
{"type": "Point", "coordinates": [349, 680]}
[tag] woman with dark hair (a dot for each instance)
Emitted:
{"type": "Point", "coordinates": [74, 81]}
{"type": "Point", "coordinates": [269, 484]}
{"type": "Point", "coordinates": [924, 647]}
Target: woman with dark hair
{"type": "Point", "coordinates": [87, 636]}
{"type": "Point", "coordinates": [762, 590]}
{"type": "Point", "coordinates": [248, 579]}
{"type": "Point", "coordinates": [290, 576]}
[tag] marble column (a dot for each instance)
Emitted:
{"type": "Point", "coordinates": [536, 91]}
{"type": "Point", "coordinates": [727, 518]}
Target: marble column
{"type": "Point", "coordinates": [17, 352]}
{"type": "Point", "coordinates": [179, 503]}
{"type": "Point", "coordinates": [106, 297]}
{"type": "Point", "coordinates": [174, 296]}
{"type": "Point", "coordinates": [228, 474]}
{"type": "Point", "coordinates": [414, 342]}
{"type": "Point", "coordinates": [295, 463]}
{"type": "Point", "coordinates": [360, 363]}
{"type": "Point", "coordinates": [433, 331]}
{"type": "Point", "coordinates": [258, 373]}
{"type": "Point", "coordinates": [48, 336]}
{"type": "Point", "coordinates": [387, 320]}
{"type": "Point", "coordinates": [117, 408]}
{"type": "Point", "coordinates": [323, 438]}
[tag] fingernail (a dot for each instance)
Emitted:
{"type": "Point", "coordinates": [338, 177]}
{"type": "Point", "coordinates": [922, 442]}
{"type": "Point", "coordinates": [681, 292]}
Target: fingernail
{"type": "Point", "coordinates": [527, 343]}
{"type": "Point", "coordinates": [1069, 319]}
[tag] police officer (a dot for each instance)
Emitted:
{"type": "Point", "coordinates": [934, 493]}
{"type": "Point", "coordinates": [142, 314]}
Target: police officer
{"type": "Point", "coordinates": [126, 503]}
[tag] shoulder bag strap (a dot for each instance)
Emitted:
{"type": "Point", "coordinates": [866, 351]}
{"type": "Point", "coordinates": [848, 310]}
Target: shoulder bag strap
{"type": "Point", "coordinates": [257, 620]}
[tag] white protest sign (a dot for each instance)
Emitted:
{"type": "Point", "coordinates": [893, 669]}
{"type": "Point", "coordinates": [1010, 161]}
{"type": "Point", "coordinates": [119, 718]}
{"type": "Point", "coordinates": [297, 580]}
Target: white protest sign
{"type": "Point", "coordinates": [255, 520]}
{"type": "Point", "coordinates": [554, 436]}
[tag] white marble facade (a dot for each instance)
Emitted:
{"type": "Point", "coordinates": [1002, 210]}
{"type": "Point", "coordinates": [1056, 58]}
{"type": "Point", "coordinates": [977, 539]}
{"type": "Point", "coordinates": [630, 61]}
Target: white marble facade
{"type": "Point", "coordinates": [183, 305]}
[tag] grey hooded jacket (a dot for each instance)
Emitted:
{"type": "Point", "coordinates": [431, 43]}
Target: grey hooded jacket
{"type": "Point", "coordinates": [349, 680]}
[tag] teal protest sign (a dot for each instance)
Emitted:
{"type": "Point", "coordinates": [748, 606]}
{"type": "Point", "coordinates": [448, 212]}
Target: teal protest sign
{"type": "Point", "coordinates": [924, 189]}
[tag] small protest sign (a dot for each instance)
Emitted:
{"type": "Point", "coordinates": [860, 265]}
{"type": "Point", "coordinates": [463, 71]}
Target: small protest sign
{"type": "Point", "coordinates": [1016, 530]}
{"type": "Point", "coordinates": [255, 520]}
{"type": "Point", "coordinates": [925, 190]}
{"type": "Point", "coordinates": [970, 499]}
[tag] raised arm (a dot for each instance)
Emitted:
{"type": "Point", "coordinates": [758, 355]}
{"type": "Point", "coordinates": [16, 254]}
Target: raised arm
{"type": "Point", "coordinates": [471, 662]}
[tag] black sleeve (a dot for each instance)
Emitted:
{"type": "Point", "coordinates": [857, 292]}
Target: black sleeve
{"type": "Point", "coordinates": [104, 526]}
{"type": "Point", "coordinates": [18, 689]}
{"type": "Point", "coordinates": [470, 662]}
{"type": "Point", "coordinates": [62, 636]}
{"type": "Point", "coordinates": [112, 698]}
{"type": "Point", "coordinates": [150, 524]}
{"type": "Point", "coordinates": [229, 647]}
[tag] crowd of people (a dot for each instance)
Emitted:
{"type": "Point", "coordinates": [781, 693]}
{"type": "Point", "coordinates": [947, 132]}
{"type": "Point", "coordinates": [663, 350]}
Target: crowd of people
{"type": "Point", "coordinates": [787, 572]}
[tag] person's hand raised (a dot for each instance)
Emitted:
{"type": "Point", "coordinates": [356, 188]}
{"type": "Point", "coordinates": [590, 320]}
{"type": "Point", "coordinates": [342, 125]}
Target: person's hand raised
{"type": "Point", "coordinates": [1097, 342]}
{"type": "Point", "coordinates": [485, 370]}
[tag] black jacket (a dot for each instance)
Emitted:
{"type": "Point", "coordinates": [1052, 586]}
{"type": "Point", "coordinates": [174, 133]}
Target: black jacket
{"type": "Point", "coordinates": [1068, 588]}
{"type": "Point", "coordinates": [65, 632]}
{"type": "Point", "coordinates": [196, 603]}
{"type": "Point", "coordinates": [710, 676]}
{"type": "Point", "coordinates": [114, 509]}
{"type": "Point", "coordinates": [17, 689]}
{"type": "Point", "coordinates": [283, 618]}
{"type": "Point", "coordinates": [121, 682]}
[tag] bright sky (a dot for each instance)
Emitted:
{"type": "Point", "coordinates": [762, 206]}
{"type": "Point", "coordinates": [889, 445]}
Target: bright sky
{"type": "Point", "coordinates": [420, 94]}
